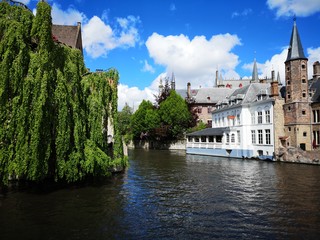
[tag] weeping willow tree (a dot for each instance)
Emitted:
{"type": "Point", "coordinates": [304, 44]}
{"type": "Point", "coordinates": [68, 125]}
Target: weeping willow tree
{"type": "Point", "coordinates": [54, 123]}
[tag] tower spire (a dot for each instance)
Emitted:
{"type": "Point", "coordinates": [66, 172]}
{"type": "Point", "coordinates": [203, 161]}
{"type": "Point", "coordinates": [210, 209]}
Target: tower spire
{"type": "Point", "coordinates": [255, 77]}
{"type": "Point", "coordinates": [295, 50]}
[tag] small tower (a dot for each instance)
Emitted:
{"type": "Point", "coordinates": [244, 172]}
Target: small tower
{"type": "Point", "coordinates": [297, 110]}
{"type": "Point", "coordinates": [160, 86]}
{"type": "Point", "coordinates": [255, 77]}
{"type": "Point", "coordinates": [173, 82]}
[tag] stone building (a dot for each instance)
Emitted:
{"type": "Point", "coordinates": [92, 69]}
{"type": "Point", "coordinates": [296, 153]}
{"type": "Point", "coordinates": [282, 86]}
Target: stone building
{"type": "Point", "coordinates": [315, 105]}
{"type": "Point", "coordinates": [297, 106]}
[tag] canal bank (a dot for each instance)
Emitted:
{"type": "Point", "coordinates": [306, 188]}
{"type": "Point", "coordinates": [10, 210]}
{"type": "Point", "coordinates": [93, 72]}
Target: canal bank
{"type": "Point", "coordinates": [288, 155]}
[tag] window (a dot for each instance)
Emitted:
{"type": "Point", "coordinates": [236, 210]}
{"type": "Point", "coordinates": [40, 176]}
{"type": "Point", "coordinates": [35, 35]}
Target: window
{"type": "Point", "coordinates": [268, 136]}
{"type": "Point", "coordinates": [190, 139]}
{"type": "Point", "coordinates": [304, 134]}
{"type": "Point", "coordinates": [289, 129]}
{"type": "Point", "coordinates": [210, 138]}
{"type": "Point", "coordinates": [253, 136]}
{"type": "Point", "coordinates": [203, 139]}
{"type": "Point", "coordinates": [228, 138]}
{"type": "Point", "coordinates": [289, 108]}
{"type": "Point", "coordinates": [218, 139]}
{"type": "Point", "coordinates": [316, 116]}
{"type": "Point", "coordinates": [304, 95]}
{"type": "Point", "coordinates": [260, 139]}
{"type": "Point", "coordinates": [199, 109]}
{"type": "Point", "coordinates": [288, 82]}
{"type": "Point", "coordinates": [303, 66]}
{"type": "Point", "coordinates": [238, 119]}
{"type": "Point", "coordinates": [259, 117]}
{"type": "Point", "coordinates": [267, 116]}
{"type": "Point", "coordinates": [196, 139]}
{"type": "Point", "coordinates": [233, 138]}
{"type": "Point", "coordinates": [303, 112]}
{"type": "Point", "coordinates": [288, 95]}
{"type": "Point", "coordinates": [239, 136]}
{"type": "Point", "coordinates": [252, 118]}
{"type": "Point", "coordinates": [303, 80]}
{"type": "Point", "coordinates": [209, 109]}
{"type": "Point", "coordinates": [209, 123]}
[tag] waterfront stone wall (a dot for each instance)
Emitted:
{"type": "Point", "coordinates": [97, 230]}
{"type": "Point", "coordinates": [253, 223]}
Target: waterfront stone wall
{"type": "Point", "coordinates": [297, 155]}
{"type": "Point", "coordinates": [162, 145]}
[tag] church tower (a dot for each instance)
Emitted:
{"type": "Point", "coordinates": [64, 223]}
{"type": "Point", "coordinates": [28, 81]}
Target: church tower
{"type": "Point", "coordinates": [297, 111]}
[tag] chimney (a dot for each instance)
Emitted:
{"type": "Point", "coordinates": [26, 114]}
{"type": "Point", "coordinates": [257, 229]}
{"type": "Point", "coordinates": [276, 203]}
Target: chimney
{"type": "Point", "coordinates": [274, 89]}
{"type": "Point", "coordinates": [217, 77]}
{"type": "Point", "coordinates": [272, 76]}
{"type": "Point", "coordinates": [316, 70]}
{"type": "Point", "coordinates": [189, 90]}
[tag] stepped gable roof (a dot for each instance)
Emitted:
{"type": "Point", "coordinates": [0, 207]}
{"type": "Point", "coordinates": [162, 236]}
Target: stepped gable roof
{"type": "Point", "coordinates": [69, 35]}
{"type": "Point", "coordinates": [208, 132]}
{"type": "Point", "coordinates": [295, 50]}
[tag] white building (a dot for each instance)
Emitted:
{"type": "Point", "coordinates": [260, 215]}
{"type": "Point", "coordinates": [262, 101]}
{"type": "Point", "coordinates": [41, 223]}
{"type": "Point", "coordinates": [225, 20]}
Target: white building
{"type": "Point", "coordinates": [242, 125]}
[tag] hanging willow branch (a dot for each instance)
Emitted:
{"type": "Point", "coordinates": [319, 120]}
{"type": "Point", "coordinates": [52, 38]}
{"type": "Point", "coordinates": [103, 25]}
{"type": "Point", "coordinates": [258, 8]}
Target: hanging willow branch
{"type": "Point", "coordinates": [55, 121]}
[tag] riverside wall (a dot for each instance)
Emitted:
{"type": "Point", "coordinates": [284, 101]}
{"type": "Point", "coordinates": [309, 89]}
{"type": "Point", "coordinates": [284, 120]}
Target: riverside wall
{"type": "Point", "coordinates": [160, 145]}
{"type": "Point", "coordinates": [297, 155]}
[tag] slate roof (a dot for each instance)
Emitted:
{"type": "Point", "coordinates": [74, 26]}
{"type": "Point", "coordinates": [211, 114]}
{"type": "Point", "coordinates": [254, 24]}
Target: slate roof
{"type": "Point", "coordinates": [208, 132]}
{"type": "Point", "coordinates": [247, 94]}
{"type": "Point", "coordinates": [69, 35]}
{"type": "Point", "coordinates": [295, 50]}
{"type": "Point", "coordinates": [206, 95]}
{"type": "Point", "coordinates": [316, 87]}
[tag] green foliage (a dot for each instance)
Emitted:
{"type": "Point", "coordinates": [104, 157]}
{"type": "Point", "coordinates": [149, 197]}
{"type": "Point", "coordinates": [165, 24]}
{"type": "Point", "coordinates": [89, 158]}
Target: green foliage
{"type": "Point", "coordinates": [124, 119]}
{"type": "Point", "coordinates": [139, 122]}
{"type": "Point", "coordinates": [174, 112]}
{"type": "Point", "coordinates": [54, 123]}
{"type": "Point", "coordinates": [170, 120]}
{"type": "Point", "coordinates": [201, 125]}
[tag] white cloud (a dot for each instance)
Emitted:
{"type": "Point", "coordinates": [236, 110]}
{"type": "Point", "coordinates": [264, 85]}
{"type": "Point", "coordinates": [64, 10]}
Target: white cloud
{"type": "Point", "coordinates": [98, 37]}
{"type": "Point", "coordinates": [313, 56]}
{"type": "Point", "coordinates": [133, 96]}
{"type": "Point", "coordinates": [69, 17]}
{"type": "Point", "coordinates": [244, 13]}
{"type": "Point", "coordinates": [147, 67]}
{"type": "Point", "coordinates": [195, 60]}
{"type": "Point", "coordinates": [294, 7]}
{"type": "Point", "coordinates": [276, 63]}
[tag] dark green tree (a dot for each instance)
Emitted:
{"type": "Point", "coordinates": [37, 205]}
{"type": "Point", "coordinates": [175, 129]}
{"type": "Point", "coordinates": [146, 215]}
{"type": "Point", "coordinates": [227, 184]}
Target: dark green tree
{"type": "Point", "coordinates": [174, 112]}
{"type": "Point", "coordinates": [139, 122]}
{"type": "Point", "coordinates": [124, 119]}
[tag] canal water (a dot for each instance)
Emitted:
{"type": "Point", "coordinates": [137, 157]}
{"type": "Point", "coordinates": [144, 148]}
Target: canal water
{"type": "Point", "coordinates": [171, 195]}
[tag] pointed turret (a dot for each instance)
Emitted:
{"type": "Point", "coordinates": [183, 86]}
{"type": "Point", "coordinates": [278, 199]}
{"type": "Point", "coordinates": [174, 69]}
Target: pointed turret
{"type": "Point", "coordinates": [295, 50]}
{"type": "Point", "coordinates": [278, 79]}
{"type": "Point", "coordinates": [173, 82]}
{"type": "Point", "coordinates": [255, 77]}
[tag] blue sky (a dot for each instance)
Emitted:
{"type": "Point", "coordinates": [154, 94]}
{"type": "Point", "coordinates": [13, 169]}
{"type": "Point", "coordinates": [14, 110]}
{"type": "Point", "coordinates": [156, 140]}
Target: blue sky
{"type": "Point", "coordinates": [146, 40]}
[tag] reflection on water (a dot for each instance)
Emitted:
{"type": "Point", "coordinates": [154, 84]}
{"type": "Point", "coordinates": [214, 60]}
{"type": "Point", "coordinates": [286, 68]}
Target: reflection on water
{"type": "Point", "coordinates": [168, 195]}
